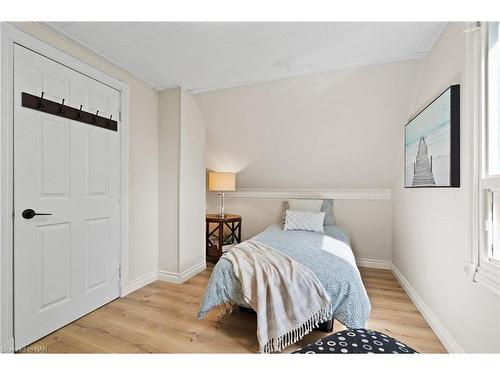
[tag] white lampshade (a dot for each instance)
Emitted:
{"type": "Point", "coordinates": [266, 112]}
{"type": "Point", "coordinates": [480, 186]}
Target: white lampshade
{"type": "Point", "coordinates": [221, 181]}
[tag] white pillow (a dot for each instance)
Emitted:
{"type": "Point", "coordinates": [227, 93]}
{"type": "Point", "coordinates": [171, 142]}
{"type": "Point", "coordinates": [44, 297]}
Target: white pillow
{"type": "Point", "coordinates": [301, 220]}
{"type": "Point", "coordinates": [305, 205]}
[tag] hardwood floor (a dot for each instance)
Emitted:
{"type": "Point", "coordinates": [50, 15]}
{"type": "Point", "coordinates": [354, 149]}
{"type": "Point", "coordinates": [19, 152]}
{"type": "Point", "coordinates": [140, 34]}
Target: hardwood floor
{"type": "Point", "coordinates": [161, 318]}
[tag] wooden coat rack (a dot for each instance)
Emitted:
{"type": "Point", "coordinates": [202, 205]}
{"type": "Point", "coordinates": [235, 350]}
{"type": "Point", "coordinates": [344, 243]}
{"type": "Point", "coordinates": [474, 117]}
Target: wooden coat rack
{"type": "Point", "coordinates": [38, 103]}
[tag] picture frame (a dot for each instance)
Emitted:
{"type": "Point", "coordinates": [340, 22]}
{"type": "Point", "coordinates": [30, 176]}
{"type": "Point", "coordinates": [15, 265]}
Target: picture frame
{"type": "Point", "coordinates": [432, 143]}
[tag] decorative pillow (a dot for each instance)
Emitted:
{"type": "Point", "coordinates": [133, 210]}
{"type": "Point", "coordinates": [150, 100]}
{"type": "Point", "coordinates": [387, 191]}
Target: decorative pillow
{"type": "Point", "coordinates": [357, 341]}
{"type": "Point", "coordinates": [327, 208]}
{"type": "Point", "coordinates": [284, 207]}
{"type": "Point", "coordinates": [300, 220]}
{"type": "Point", "coordinates": [305, 205]}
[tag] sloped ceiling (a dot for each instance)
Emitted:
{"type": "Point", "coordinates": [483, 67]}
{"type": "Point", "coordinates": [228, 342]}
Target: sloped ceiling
{"type": "Point", "coordinates": [210, 55]}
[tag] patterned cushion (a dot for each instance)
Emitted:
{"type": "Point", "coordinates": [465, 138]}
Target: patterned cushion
{"type": "Point", "coordinates": [309, 221]}
{"type": "Point", "coordinates": [356, 341]}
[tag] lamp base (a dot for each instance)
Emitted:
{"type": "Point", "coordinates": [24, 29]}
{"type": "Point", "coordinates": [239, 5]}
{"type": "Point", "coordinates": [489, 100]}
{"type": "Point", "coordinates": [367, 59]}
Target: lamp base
{"type": "Point", "coordinates": [220, 202]}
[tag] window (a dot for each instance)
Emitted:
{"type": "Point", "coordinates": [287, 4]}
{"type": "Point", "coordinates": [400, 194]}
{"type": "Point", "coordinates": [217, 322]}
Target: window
{"type": "Point", "coordinates": [493, 107]}
{"type": "Point", "coordinates": [490, 182]}
{"type": "Point", "coordinates": [494, 256]}
{"type": "Point", "coordinates": [483, 71]}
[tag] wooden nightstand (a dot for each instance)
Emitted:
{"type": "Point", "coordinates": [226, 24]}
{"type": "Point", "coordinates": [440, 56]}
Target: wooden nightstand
{"type": "Point", "coordinates": [215, 236]}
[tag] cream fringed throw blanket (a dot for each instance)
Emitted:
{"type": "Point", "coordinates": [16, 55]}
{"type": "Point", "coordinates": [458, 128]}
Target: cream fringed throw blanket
{"type": "Point", "coordinates": [288, 298]}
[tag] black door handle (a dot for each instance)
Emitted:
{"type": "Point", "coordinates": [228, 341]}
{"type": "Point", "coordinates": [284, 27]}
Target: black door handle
{"type": "Point", "coordinates": [30, 214]}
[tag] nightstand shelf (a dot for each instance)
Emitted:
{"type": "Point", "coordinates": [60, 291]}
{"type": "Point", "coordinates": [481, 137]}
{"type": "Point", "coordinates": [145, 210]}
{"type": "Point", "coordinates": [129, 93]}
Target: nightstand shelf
{"type": "Point", "coordinates": [217, 236]}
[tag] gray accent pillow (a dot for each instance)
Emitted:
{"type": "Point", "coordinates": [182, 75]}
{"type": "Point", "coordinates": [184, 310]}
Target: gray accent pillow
{"type": "Point", "coordinates": [284, 207]}
{"type": "Point", "coordinates": [326, 207]}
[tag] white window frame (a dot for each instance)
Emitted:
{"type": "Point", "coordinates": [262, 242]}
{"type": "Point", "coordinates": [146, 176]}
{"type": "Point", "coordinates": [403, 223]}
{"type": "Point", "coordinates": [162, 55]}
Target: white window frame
{"type": "Point", "coordinates": [479, 265]}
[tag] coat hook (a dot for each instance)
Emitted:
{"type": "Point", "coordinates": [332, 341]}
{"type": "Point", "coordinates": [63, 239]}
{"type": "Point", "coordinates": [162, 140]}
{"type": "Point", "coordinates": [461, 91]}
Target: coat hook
{"type": "Point", "coordinates": [110, 117]}
{"type": "Point", "coordinates": [61, 107]}
{"type": "Point", "coordinates": [40, 105]}
{"type": "Point", "coordinates": [78, 115]}
{"type": "Point", "coordinates": [95, 116]}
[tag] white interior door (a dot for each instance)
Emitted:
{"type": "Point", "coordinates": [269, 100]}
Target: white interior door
{"type": "Point", "coordinates": [66, 264]}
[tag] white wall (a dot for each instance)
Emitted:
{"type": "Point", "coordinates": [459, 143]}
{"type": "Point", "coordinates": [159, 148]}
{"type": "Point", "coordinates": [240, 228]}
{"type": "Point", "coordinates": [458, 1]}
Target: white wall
{"type": "Point", "coordinates": [169, 145]}
{"type": "Point", "coordinates": [182, 185]}
{"type": "Point", "coordinates": [192, 185]}
{"type": "Point", "coordinates": [338, 129]}
{"type": "Point", "coordinates": [333, 130]}
{"type": "Point", "coordinates": [143, 154]}
{"type": "Point", "coordinates": [430, 226]}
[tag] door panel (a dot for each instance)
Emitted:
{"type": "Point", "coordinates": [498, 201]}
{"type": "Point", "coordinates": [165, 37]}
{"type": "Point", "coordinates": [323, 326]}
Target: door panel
{"type": "Point", "coordinates": [56, 87]}
{"type": "Point", "coordinates": [65, 264]}
{"type": "Point", "coordinates": [97, 247]}
{"type": "Point", "coordinates": [97, 162]}
{"type": "Point", "coordinates": [55, 263]}
{"type": "Point", "coordinates": [53, 156]}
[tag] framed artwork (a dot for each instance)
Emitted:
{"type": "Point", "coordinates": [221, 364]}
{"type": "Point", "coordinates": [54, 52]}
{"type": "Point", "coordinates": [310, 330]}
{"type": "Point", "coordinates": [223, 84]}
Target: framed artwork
{"type": "Point", "coordinates": [432, 143]}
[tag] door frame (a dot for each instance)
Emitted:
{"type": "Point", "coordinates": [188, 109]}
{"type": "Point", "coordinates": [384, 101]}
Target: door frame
{"type": "Point", "coordinates": [9, 36]}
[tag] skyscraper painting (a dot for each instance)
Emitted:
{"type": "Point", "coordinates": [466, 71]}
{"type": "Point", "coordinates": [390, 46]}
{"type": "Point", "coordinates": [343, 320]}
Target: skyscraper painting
{"type": "Point", "coordinates": [432, 143]}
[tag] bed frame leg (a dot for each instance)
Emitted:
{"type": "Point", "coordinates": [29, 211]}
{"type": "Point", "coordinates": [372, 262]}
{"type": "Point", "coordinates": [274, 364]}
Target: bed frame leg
{"type": "Point", "coordinates": [326, 327]}
{"type": "Point", "coordinates": [247, 310]}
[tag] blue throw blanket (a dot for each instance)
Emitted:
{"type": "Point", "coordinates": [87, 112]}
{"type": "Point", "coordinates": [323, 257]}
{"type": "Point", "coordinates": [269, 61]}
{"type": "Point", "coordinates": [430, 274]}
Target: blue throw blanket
{"type": "Point", "coordinates": [328, 255]}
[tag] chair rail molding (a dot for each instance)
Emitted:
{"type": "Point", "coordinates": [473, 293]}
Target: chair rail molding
{"type": "Point", "coordinates": [363, 194]}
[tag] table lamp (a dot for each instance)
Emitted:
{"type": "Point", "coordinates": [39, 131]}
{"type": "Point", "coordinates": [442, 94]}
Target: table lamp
{"type": "Point", "coordinates": [221, 182]}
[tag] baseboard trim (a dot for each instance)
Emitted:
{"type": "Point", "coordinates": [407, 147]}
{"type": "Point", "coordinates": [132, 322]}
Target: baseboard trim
{"type": "Point", "coordinates": [373, 263]}
{"type": "Point", "coordinates": [139, 283]}
{"type": "Point", "coordinates": [7, 346]}
{"type": "Point", "coordinates": [449, 343]}
{"type": "Point", "coordinates": [179, 278]}
{"type": "Point", "coordinates": [176, 278]}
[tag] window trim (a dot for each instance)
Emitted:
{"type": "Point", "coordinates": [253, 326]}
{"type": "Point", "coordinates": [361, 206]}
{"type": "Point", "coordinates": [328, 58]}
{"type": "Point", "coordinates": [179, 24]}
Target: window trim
{"type": "Point", "coordinates": [479, 266]}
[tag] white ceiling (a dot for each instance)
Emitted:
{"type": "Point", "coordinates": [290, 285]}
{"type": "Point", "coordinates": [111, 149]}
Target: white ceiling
{"type": "Point", "coordinates": [210, 55]}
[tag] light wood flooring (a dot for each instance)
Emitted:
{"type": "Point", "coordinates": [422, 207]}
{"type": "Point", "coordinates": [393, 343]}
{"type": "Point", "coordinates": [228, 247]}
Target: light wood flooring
{"type": "Point", "coordinates": [161, 318]}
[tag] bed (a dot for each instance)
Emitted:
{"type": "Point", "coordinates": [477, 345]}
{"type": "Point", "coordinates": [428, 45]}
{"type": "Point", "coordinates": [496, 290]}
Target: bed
{"type": "Point", "coordinates": [327, 254]}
